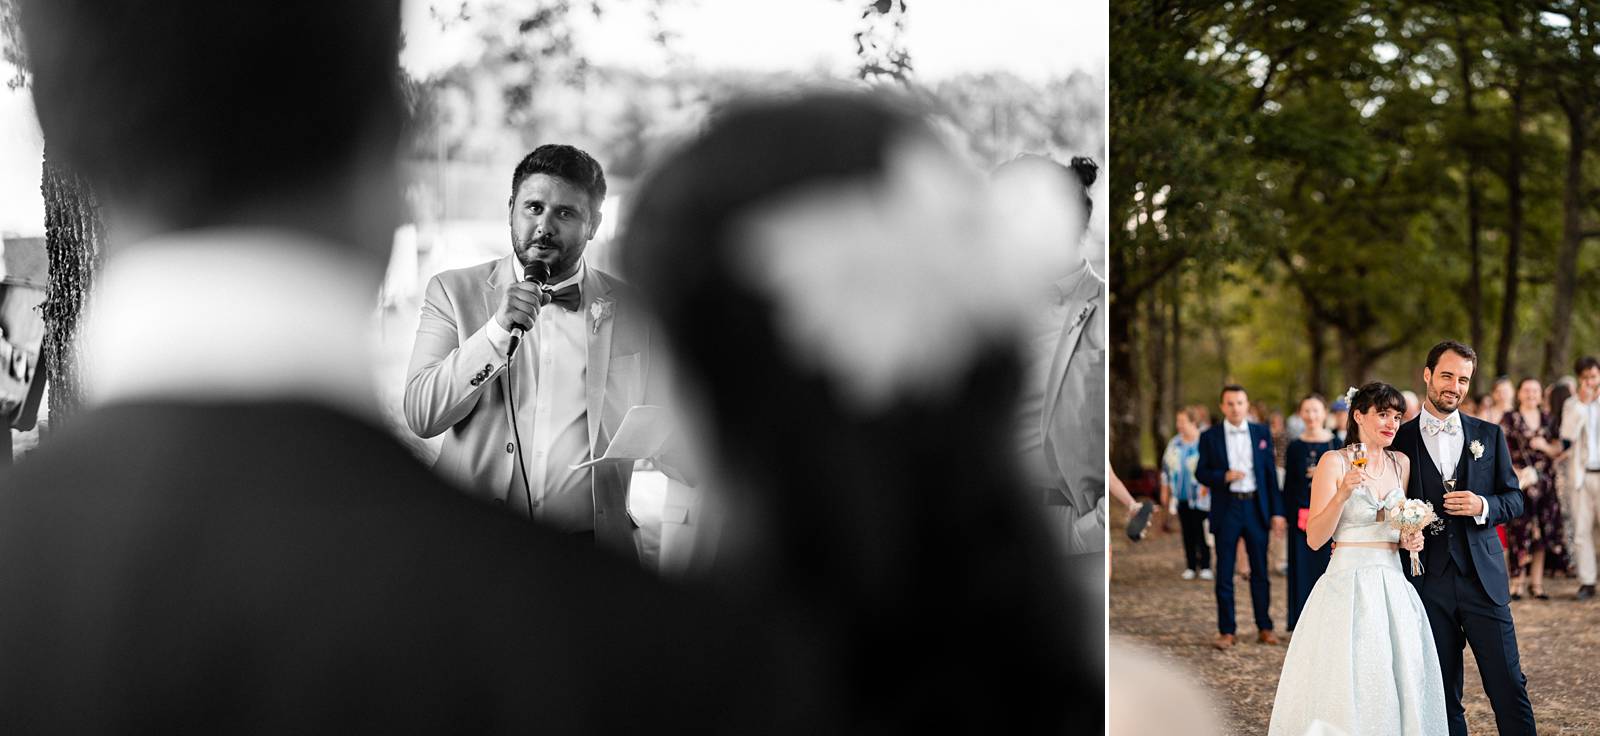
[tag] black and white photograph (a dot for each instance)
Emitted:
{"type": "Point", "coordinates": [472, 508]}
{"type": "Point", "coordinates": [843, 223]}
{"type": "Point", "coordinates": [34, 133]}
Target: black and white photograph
{"type": "Point", "coordinates": [558, 366]}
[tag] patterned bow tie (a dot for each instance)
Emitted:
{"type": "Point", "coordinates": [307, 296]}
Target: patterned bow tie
{"type": "Point", "coordinates": [566, 297]}
{"type": "Point", "coordinates": [1435, 427]}
{"type": "Point", "coordinates": [1238, 430]}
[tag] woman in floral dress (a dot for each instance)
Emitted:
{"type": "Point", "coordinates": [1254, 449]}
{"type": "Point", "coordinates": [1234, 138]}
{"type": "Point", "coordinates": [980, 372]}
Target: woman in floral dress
{"type": "Point", "coordinates": [1535, 539]}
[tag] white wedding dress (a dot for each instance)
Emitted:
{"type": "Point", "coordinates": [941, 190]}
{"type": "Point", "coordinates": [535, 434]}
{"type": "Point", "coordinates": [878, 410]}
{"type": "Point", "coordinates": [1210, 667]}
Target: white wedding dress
{"type": "Point", "coordinates": [1362, 657]}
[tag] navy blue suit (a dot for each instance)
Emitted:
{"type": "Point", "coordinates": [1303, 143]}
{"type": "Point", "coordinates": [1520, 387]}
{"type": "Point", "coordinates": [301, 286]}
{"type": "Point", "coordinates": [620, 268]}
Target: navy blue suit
{"type": "Point", "coordinates": [1464, 585]}
{"type": "Point", "coordinates": [1232, 519]}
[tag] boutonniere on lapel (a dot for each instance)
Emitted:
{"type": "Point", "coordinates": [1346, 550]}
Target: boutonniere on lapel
{"type": "Point", "coordinates": [1083, 314]}
{"type": "Point", "coordinates": [1477, 449]}
{"type": "Point", "coordinates": [599, 312]}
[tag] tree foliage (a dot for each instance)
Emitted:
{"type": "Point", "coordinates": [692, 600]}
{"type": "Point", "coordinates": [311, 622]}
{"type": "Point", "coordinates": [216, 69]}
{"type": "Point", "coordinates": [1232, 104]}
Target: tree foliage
{"type": "Point", "coordinates": [1343, 184]}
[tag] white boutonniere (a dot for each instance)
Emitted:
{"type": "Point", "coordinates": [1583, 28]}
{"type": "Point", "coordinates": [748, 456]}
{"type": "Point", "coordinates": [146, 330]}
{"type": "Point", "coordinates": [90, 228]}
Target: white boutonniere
{"type": "Point", "coordinates": [599, 312]}
{"type": "Point", "coordinates": [1477, 449]}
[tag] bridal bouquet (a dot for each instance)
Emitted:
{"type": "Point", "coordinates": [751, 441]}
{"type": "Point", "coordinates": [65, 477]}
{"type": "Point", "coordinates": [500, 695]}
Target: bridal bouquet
{"type": "Point", "coordinates": [1415, 515]}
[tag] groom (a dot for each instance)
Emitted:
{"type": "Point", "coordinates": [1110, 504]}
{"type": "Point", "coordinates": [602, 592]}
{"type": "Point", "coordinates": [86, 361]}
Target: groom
{"type": "Point", "coordinates": [1464, 585]}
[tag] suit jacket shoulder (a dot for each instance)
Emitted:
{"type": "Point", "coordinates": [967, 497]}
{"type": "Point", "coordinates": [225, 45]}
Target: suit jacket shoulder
{"type": "Point", "coordinates": [469, 275]}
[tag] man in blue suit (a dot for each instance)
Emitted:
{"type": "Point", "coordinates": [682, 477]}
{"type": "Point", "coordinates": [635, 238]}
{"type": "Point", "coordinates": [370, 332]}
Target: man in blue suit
{"type": "Point", "coordinates": [1463, 467]}
{"type": "Point", "coordinates": [1236, 463]}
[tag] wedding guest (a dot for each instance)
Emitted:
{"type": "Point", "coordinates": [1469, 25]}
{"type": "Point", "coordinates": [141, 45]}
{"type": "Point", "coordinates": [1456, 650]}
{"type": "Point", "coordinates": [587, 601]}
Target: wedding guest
{"type": "Point", "coordinates": [886, 509]}
{"type": "Point", "coordinates": [1340, 422]}
{"type": "Point", "coordinates": [1580, 431]}
{"type": "Point", "coordinates": [1469, 407]}
{"type": "Point", "coordinates": [1502, 398]}
{"type": "Point", "coordinates": [1413, 406]}
{"type": "Point", "coordinates": [1236, 463]}
{"type": "Point", "coordinates": [1183, 495]}
{"type": "Point", "coordinates": [516, 422]}
{"type": "Point", "coordinates": [1534, 538]}
{"type": "Point", "coordinates": [1061, 421]}
{"type": "Point", "coordinates": [1556, 402]}
{"type": "Point", "coordinates": [1305, 564]}
{"type": "Point", "coordinates": [228, 540]}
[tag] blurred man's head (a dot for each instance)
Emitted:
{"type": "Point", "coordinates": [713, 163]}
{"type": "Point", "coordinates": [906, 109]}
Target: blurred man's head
{"type": "Point", "coordinates": [186, 114]}
{"type": "Point", "coordinates": [1030, 182]}
{"type": "Point", "coordinates": [1235, 404]}
{"type": "Point", "coordinates": [556, 192]}
{"type": "Point", "coordinates": [1413, 405]}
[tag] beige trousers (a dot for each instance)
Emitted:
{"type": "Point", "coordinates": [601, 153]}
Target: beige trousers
{"type": "Point", "coordinates": [1585, 511]}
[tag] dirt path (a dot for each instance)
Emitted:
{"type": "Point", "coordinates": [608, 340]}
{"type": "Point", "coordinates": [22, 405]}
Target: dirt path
{"type": "Point", "coordinates": [1151, 606]}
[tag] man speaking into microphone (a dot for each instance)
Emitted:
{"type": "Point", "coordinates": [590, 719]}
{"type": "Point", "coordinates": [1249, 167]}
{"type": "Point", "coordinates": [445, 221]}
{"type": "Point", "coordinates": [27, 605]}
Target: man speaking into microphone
{"type": "Point", "coordinates": [528, 363]}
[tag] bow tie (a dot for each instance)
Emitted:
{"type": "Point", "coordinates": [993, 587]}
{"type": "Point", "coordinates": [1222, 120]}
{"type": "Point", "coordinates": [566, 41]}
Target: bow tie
{"type": "Point", "coordinates": [566, 297]}
{"type": "Point", "coordinates": [1435, 427]}
{"type": "Point", "coordinates": [1238, 430]}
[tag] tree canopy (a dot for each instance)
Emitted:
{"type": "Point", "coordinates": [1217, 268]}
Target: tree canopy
{"type": "Point", "coordinates": [1307, 196]}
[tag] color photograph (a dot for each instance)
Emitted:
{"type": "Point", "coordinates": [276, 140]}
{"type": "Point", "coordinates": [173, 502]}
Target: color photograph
{"type": "Point", "coordinates": [1354, 365]}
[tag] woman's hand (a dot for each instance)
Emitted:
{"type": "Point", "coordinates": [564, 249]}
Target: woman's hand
{"type": "Point", "coordinates": [1347, 484]}
{"type": "Point", "coordinates": [1411, 542]}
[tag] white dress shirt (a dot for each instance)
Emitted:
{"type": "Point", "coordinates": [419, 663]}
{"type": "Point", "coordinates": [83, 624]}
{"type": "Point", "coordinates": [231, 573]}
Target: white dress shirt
{"type": "Point", "coordinates": [548, 377]}
{"type": "Point", "coordinates": [1241, 456]}
{"type": "Point", "coordinates": [1444, 447]}
{"type": "Point", "coordinates": [296, 321]}
{"type": "Point", "coordinates": [1591, 412]}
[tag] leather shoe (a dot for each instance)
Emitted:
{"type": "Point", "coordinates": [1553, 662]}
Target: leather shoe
{"type": "Point", "coordinates": [1585, 592]}
{"type": "Point", "coordinates": [1267, 637]}
{"type": "Point", "coordinates": [1223, 642]}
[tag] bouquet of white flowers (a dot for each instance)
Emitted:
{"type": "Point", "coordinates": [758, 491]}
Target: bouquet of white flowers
{"type": "Point", "coordinates": [1414, 515]}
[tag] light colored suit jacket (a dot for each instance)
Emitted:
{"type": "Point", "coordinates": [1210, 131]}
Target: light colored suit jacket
{"type": "Point", "coordinates": [1074, 419]}
{"type": "Point", "coordinates": [456, 385]}
{"type": "Point", "coordinates": [1575, 427]}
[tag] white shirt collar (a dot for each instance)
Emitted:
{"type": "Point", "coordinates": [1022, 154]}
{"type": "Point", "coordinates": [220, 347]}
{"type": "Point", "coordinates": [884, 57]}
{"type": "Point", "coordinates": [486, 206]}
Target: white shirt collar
{"type": "Point", "coordinates": [1241, 427]}
{"type": "Point", "coordinates": [1067, 283]}
{"type": "Point", "coordinates": [233, 314]}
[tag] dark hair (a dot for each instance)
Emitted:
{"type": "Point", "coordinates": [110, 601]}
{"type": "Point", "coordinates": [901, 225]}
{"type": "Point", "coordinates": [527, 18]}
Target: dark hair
{"type": "Point", "coordinates": [1526, 379]}
{"type": "Point", "coordinates": [1082, 171]}
{"type": "Point", "coordinates": [1230, 388]}
{"type": "Point", "coordinates": [566, 163]}
{"type": "Point", "coordinates": [683, 249]}
{"type": "Point", "coordinates": [1559, 393]}
{"type": "Point", "coordinates": [1376, 395]}
{"type": "Point", "coordinates": [192, 110]}
{"type": "Point", "coordinates": [1458, 348]}
{"type": "Point", "coordinates": [1309, 397]}
{"type": "Point", "coordinates": [1585, 363]}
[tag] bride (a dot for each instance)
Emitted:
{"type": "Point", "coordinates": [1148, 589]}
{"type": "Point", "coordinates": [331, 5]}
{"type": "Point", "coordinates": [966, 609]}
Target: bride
{"type": "Point", "coordinates": [1362, 657]}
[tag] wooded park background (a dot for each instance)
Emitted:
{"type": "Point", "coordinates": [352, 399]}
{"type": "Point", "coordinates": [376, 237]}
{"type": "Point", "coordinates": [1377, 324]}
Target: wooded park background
{"type": "Point", "coordinates": [1307, 196]}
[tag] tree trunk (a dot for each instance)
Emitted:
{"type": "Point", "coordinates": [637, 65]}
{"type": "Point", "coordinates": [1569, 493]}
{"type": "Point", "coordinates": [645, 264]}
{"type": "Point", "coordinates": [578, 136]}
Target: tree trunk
{"type": "Point", "coordinates": [74, 242]}
{"type": "Point", "coordinates": [1319, 351]}
{"type": "Point", "coordinates": [1156, 368]}
{"type": "Point", "coordinates": [1175, 329]}
{"type": "Point", "coordinates": [1508, 310]}
{"type": "Point", "coordinates": [1124, 419]}
{"type": "Point", "coordinates": [1474, 290]}
{"type": "Point", "coordinates": [1572, 201]}
{"type": "Point", "coordinates": [1354, 361]}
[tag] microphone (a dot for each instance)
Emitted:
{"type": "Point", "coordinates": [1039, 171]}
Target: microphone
{"type": "Point", "coordinates": [537, 272]}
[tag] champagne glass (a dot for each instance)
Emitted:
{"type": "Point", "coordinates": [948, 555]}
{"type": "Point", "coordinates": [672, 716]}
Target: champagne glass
{"type": "Point", "coordinates": [1358, 456]}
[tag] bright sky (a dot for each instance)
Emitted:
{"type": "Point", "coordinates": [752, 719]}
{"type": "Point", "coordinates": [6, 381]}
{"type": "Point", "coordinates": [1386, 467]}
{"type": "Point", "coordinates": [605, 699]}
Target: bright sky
{"type": "Point", "coordinates": [21, 151]}
{"type": "Point", "coordinates": [1036, 39]}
